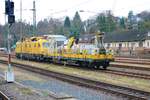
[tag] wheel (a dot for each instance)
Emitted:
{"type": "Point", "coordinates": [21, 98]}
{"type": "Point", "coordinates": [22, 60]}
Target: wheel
{"type": "Point", "coordinates": [64, 63]}
{"type": "Point", "coordinates": [18, 57]}
{"type": "Point", "coordinates": [81, 64]}
{"type": "Point", "coordinates": [104, 67]}
{"type": "Point", "coordinates": [92, 66]}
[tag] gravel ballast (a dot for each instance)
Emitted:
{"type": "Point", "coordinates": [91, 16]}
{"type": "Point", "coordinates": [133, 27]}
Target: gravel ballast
{"type": "Point", "coordinates": [18, 92]}
{"type": "Point", "coordinates": [47, 84]}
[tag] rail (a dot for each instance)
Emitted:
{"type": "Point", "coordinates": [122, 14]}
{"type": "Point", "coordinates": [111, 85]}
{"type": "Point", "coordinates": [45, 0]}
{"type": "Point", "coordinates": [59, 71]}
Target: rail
{"type": "Point", "coordinates": [3, 96]}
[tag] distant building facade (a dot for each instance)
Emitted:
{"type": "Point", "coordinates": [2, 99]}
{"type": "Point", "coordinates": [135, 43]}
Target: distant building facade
{"type": "Point", "coordinates": [126, 42]}
{"type": "Point", "coordinates": [129, 42]}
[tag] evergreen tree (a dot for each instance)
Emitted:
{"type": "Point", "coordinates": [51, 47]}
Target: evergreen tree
{"type": "Point", "coordinates": [144, 23]}
{"type": "Point", "coordinates": [106, 22]}
{"type": "Point", "coordinates": [67, 23]}
{"type": "Point", "coordinates": [77, 25]}
{"type": "Point", "coordinates": [110, 22]}
{"type": "Point", "coordinates": [122, 23]}
{"type": "Point", "coordinates": [132, 21]}
{"type": "Point", "coordinates": [101, 23]}
{"type": "Point", "coordinates": [67, 26]}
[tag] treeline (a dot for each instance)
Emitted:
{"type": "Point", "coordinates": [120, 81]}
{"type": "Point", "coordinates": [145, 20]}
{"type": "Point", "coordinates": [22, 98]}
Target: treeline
{"type": "Point", "coordinates": [104, 22]}
{"type": "Point", "coordinates": [107, 22]}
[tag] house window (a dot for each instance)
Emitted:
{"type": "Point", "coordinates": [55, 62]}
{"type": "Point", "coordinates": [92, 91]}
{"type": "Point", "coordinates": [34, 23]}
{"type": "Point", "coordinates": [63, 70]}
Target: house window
{"type": "Point", "coordinates": [108, 45]}
{"type": "Point", "coordinates": [120, 45]}
{"type": "Point", "coordinates": [148, 44]}
{"type": "Point", "coordinates": [140, 44]}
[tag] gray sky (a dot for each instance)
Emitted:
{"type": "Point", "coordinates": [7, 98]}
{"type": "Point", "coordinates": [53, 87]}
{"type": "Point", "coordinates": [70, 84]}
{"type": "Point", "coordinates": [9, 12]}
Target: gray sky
{"type": "Point", "coordinates": [62, 8]}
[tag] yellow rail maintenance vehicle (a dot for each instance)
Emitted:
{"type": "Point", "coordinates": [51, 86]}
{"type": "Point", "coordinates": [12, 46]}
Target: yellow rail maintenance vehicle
{"type": "Point", "coordinates": [56, 48]}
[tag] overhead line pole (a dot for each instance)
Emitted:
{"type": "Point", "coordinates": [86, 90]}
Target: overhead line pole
{"type": "Point", "coordinates": [34, 18]}
{"type": "Point", "coordinates": [21, 33]}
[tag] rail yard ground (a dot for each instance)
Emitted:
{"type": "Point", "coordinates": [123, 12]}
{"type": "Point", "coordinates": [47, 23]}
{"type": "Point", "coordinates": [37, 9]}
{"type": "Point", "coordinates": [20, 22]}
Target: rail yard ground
{"type": "Point", "coordinates": [15, 91]}
{"type": "Point", "coordinates": [94, 74]}
{"type": "Point", "coordinates": [100, 75]}
{"type": "Point", "coordinates": [19, 90]}
{"type": "Point", "coordinates": [47, 85]}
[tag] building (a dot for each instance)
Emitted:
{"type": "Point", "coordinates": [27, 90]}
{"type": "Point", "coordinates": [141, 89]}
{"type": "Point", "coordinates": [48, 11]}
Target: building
{"type": "Point", "coordinates": [128, 42]}
{"type": "Point", "coordinates": [133, 42]}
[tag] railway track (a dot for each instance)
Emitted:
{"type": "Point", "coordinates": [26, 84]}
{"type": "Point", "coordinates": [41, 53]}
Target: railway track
{"type": "Point", "coordinates": [6, 55]}
{"type": "Point", "coordinates": [126, 92]}
{"type": "Point", "coordinates": [122, 73]}
{"type": "Point", "coordinates": [128, 74]}
{"type": "Point", "coordinates": [3, 96]}
{"type": "Point", "coordinates": [117, 72]}
{"type": "Point", "coordinates": [133, 62]}
{"type": "Point", "coordinates": [129, 66]}
{"type": "Point", "coordinates": [145, 57]}
{"type": "Point", "coordinates": [132, 59]}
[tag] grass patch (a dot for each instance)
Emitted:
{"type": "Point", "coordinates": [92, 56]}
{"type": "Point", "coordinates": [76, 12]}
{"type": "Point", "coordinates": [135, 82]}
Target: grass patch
{"type": "Point", "coordinates": [23, 90]}
{"type": "Point", "coordinates": [26, 91]}
{"type": "Point", "coordinates": [45, 93]}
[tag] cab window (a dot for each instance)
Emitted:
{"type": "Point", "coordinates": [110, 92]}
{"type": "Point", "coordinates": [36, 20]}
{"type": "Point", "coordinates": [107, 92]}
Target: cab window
{"type": "Point", "coordinates": [45, 45]}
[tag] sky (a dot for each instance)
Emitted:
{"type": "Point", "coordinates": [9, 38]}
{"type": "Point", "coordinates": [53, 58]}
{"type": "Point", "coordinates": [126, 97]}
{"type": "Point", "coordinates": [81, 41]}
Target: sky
{"type": "Point", "coordinates": [61, 8]}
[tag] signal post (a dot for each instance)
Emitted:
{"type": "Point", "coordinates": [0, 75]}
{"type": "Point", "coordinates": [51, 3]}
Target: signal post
{"type": "Point", "coordinates": [9, 12]}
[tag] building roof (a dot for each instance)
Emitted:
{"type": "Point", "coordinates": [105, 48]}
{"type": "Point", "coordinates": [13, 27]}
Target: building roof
{"type": "Point", "coordinates": [55, 36]}
{"type": "Point", "coordinates": [131, 36]}
{"type": "Point", "coordinates": [127, 36]}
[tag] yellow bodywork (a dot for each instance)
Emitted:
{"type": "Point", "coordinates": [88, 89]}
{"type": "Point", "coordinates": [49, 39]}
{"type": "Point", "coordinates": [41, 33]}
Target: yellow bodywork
{"type": "Point", "coordinates": [32, 47]}
{"type": "Point", "coordinates": [40, 46]}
